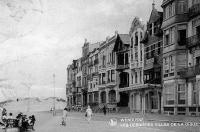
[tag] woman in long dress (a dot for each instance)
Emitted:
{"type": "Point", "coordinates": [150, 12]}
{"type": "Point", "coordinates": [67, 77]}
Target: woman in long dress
{"type": "Point", "coordinates": [64, 117]}
{"type": "Point", "coordinates": [88, 114]}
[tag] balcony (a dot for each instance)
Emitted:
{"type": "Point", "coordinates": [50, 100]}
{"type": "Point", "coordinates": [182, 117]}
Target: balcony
{"type": "Point", "coordinates": [74, 90]}
{"type": "Point", "coordinates": [73, 83]}
{"type": "Point", "coordinates": [90, 64]}
{"type": "Point", "coordinates": [194, 10]}
{"type": "Point", "coordinates": [84, 87]}
{"type": "Point", "coordinates": [123, 85]}
{"type": "Point", "coordinates": [190, 71]}
{"type": "Point", "coordinates": [109, 64]}
{"type": "Point", "coordinates": [111, 84]}
{"type": "Point", "coordinates": [136, 65]}
{"type": "Point", "coordinates": [153, 81]}
{"type": "Point", "coordinates": [95, 74]}
{"type": "Point", "coordinates": [193, 41]}
{"type": "Point", "coordinates": [96, 61]}
{"type": "Point", "coordinates": [89, 77]}
{"type": "Point", "coordinates": [120, 67]}
{"type": "Point", "coordinates": [78, 84]}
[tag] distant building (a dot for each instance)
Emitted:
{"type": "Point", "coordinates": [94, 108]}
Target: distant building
{"type": "Point", "coordinates": [136, 59]}
{"type": "Point", "coordinates": [84, 62]}
{"type": "Point", "coordinates": [107, 73]}
{"type": "Point", "coordinates": [153, 42]}
{"type": "Point", "coordinates": [93, 78]}
{"type": "Point", "coordinates": [71, 86]}
{"type": "Point", "coordinates": [121, 49]}
{"type": "Point", "coordinates": [78, 93]}
{"type": "Point", "coordinates": [155, 68]}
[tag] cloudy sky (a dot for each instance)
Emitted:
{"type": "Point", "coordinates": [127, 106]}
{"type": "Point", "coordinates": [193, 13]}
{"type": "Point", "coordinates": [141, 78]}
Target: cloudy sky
{"type": "Point", "coordinates": [41, 37]}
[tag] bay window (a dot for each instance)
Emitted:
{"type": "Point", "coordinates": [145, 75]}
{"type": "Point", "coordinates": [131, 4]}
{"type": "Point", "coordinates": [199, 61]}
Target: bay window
{"type": "Point", "coordinates": [181, 94]}
{"type": "Point", "coordinates": [169, 93]}
{"type": "Point", "coordinates": [169, 37]}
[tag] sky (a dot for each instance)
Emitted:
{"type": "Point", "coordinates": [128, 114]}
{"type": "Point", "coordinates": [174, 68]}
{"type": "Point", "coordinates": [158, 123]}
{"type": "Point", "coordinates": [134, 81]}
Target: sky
{"type": "Point", "coordinates": [39, 38]}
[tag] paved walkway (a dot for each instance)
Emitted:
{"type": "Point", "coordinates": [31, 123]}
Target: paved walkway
{"type": "Point", "coordinates": [100, 123]}
{"type": "Point", "coordinates": [76, 122]}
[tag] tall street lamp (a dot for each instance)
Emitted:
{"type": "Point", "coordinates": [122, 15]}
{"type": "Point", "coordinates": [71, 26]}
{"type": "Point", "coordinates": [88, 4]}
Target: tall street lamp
{"type": "Point", "coordinates": [54, 105]}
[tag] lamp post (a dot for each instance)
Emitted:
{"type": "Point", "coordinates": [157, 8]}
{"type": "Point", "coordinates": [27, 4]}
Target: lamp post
{"type": "Point", "coordinates": [28, 108]}
{"type": "Point", "coordinates": [54, 107]}
{"type": "Point", "coordinates": [28, 86]}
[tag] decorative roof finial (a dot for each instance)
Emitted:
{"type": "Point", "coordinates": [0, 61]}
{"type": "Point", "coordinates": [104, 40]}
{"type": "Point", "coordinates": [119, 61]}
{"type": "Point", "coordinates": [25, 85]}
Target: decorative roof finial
{"type": "Point", "coordinates": [153, 5]}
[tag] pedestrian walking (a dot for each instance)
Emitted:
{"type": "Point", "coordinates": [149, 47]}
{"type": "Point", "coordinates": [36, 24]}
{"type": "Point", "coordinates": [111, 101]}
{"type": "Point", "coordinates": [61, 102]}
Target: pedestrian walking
{"type": "Point", "coordinates": [88, 114]}
{"type": "Point", "coordinates": [104, 110]}
{"type": "Point", "coordinates": [64, 116]}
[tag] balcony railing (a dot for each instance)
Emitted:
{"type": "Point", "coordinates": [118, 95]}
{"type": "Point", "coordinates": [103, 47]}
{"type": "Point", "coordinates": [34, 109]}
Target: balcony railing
{"type": "Point", "coordinates": [90, 64]}
{"type": "Point", "coordinates": [110, 83]}
{"type": "Point", "coordinates": [95, 74]}
{"type": "Point", "coordinates": [123, 85]}
{"type": "Point", "coordinates": [122, 66]}
{"type": "Point", "coordinates": [136, 65]}
{"type": "Point", "coordinates": [153, 81]}
{"type": "Point", "coordinates": [78, 85]}
{"type": "Point", "coordinates": [89, 77]}
{"type": "Point", "coordinates": [190, 71]}
{"type": "Point", "coordinates": [194, 11]}
{"type": "Point", "coordinates": [193, 41]}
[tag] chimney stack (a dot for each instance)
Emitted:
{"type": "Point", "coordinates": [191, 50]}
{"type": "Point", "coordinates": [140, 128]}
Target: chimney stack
{"type": "Point", "coordinates": [116, 33]}
{"type": "Point", "coordinates": [153, 5]}
{"type": "Point", "coordinates": [107, 38]}
{"type": "Point", "coordinates": [85, 40]}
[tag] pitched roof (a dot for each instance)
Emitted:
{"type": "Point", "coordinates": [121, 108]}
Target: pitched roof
{"type": "Point", "coordinates": [125, 38]}
{"type": "Point", "coordinates": [155, 15]}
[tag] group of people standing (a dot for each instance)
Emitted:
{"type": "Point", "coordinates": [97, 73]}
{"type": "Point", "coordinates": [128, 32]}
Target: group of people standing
{"type": "Point", "coordinates": [21, 121]}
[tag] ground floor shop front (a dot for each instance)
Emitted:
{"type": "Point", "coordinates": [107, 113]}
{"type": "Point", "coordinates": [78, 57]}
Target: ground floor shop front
{"type": "Point", "coordinates": [145, 99]}
{"type": "Point", "coordinates": [181, 96]}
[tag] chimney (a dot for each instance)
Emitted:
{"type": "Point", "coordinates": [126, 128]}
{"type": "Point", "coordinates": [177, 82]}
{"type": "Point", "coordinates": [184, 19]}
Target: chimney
{"type": "Point", "coordinates": [116, 33]}
{"type": "Point", "coordinates": [85, 40]}
{"type": "Point", "coordinates": [107, 38]}
{"type": "Point", "coordinates": [153, 5]}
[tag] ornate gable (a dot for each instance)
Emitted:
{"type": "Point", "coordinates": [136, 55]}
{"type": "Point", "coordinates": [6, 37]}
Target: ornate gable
{"type": "Point", "coordinates": [137, 23]}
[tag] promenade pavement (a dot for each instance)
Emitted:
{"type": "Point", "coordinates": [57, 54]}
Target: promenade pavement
{"type": "Point", "coordinates": [76, 122]}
